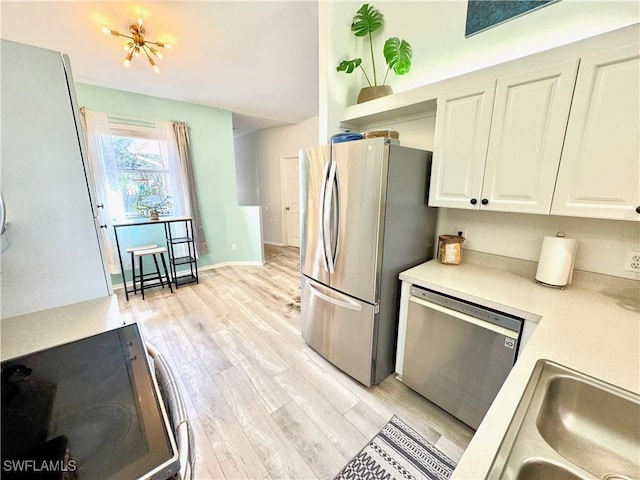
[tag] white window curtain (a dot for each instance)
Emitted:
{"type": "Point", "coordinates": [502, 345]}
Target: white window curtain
{"type": "Point", "coordinates": [102, 163]}
{"type": "Point", "coordinates": [176, 184]}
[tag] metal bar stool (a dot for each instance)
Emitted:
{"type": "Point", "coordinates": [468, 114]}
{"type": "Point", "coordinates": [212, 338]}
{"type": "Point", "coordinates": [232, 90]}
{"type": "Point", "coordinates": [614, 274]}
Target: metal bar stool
{"type": "Point", "coordinates": [133, 262]}
{"type": "Point", "coordinates": [139, 254]}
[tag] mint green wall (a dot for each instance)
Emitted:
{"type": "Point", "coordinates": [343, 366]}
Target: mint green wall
{"type": "Point", "coordinates": [212, 152]}
{"type": "Point", "coordinates": [244, 229]}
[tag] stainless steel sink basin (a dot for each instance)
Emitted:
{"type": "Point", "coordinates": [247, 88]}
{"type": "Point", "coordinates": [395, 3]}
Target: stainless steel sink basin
{"type": "Point", "coordinates": [541, 470]}
{"type": "Point", "coordinates": [571, 426]}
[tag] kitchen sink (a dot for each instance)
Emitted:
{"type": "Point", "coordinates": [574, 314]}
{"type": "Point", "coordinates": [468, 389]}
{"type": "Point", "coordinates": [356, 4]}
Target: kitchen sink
{"type": "Point", "coordinates": [571, 426]}
{"type": "Point", "coordinates": [541, 470]}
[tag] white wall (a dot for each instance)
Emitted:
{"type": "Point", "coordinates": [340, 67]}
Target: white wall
{"type": "Point", "coordinates": [269, 146]}
{"type": "Point", "coordinates": [602, 244]}
{"type": "Point", "coordinates": [247, 183]}
{"type": "Point", "coordinates": [436, 32]}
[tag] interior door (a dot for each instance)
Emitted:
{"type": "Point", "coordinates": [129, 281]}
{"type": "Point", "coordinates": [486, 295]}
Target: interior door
{"type": "Point", "coordinates": [357, 202]}
{"type": "Point", "coordinates": [96, 203]}
{"type": "Point", "coordinates": [290, 180]}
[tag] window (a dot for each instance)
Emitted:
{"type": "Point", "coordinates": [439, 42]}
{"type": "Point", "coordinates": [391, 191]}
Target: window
{"type": "Point", "coordinates": [137, 169]}
{"type": "Point", "coordinates": [143, 174]}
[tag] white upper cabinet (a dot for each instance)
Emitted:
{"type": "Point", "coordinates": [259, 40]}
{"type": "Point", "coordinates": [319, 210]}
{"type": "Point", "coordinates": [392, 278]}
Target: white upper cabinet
{"type": "Point", "coordinates": [502, 155]}
{"type": "Point", "coordinates": [599, 174]}
{"type": "Point", "coordinates": [527, 131]}
{"type": "Point", "coordinates": [463, 122]}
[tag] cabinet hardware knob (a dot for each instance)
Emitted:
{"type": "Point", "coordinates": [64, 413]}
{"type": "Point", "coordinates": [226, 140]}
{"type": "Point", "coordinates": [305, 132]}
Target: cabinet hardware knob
{"type": "Point", "coordinates": [638, 209]}
{"type": "Point", "coordinates": [485, 201]}
{"type": "Point", "coordinates": [103, 226]}
{"type": "Point", "coordinates": [99, 205]}
{"type": "Point", "coordinates": [287, 209]}
{"type": "Point", "coordinates": [473, 201]}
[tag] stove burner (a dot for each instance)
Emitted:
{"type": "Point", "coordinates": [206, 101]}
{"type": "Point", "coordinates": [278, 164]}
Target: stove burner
{"type": "Point", "coordinates": [101, 438]}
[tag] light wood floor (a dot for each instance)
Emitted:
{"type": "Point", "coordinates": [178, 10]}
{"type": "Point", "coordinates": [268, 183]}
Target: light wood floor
{"type": "Point", "coordinates": [262, 403]}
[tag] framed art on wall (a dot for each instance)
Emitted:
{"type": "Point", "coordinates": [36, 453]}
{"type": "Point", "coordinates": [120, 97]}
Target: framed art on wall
{"type": "Point", "coordinates": [484, 14]}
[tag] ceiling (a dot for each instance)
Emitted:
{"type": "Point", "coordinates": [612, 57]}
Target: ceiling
{"type": "Point", "coordinates": [258, 59]}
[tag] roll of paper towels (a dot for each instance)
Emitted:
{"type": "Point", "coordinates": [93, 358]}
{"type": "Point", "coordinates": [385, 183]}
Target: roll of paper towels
{"type": "Point", "coordinates": [555, 265]}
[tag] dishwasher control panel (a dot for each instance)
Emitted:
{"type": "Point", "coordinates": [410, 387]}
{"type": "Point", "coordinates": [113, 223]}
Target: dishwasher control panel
{"type": "Point", "coordinates": [486, 314]}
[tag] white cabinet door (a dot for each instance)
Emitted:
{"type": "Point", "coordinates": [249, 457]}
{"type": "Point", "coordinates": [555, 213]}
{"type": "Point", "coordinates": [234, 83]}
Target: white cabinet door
{"type": "Point", "coordinates": [463, 122]}
{"type": "Point", "coordinates": [599, 173]}
{"type": "Point", "coordinates": [527, 132]}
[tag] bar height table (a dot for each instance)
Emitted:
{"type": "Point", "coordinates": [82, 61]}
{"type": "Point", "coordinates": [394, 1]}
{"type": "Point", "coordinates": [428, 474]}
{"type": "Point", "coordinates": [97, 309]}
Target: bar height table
{"type": "Point", "coordinates": [172, 242]}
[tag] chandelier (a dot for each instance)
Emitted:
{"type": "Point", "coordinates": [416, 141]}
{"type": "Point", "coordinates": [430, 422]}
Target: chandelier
{"type": "Point", "coordinates": [138, 44]}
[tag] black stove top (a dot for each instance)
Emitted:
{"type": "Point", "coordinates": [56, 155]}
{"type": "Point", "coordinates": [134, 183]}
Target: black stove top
{"type": "Point", "coordinates": [85, 410]}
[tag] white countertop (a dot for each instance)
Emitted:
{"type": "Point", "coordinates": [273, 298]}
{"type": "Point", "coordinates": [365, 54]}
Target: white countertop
{"type": "Point", "coordinates": [596, 332]}
{"type": "Point", "coordinates": [47, 328]}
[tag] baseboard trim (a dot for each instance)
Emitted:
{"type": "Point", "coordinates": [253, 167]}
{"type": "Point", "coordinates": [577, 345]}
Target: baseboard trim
{"type": "Point", "coordinates": [232, 264]}
{"type": "Point", "coordinates": [275, 244]}
{"type": "Point", "coordinates": [120, 286]}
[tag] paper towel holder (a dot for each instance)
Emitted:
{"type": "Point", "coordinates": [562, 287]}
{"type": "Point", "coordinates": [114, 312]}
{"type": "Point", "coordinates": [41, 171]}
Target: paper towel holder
{"type": "Point", "coordinates": [559, 234]}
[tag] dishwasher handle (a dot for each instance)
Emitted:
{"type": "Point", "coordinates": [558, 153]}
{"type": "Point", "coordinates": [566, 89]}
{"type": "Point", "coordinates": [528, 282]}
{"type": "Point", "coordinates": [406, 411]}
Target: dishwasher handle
{"type": "Point", "coordinates": [466, 318]}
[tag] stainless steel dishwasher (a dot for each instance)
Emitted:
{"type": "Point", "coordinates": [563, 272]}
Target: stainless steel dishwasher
{"type": "Point", "coordinates": [458, 354]}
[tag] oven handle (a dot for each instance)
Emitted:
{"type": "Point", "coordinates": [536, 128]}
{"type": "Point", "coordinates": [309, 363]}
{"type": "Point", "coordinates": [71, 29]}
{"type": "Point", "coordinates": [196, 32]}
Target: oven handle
{"type": "Point", "coordinates": [466, 318]}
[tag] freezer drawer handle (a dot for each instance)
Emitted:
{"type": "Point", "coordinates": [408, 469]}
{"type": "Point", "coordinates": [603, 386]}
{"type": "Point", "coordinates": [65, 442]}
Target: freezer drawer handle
{"type": "Point", "coordinates": [346, 304]}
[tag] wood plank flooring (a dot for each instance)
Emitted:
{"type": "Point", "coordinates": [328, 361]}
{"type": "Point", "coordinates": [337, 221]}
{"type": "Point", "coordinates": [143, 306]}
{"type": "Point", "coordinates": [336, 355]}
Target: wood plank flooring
{"type": "Point", "coordinates": [262, 403]}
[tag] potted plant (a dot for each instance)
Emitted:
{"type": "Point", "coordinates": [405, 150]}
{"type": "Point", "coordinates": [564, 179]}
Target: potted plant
{"type": "Point", "coordinates": [154, 205]}
{"type": "Point", "coordinates": [397, 53]}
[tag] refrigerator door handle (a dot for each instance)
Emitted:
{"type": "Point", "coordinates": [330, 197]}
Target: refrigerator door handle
{"type": "Point", "coordinates": [323, 227]}
{"type": "Point", "coordinates": [336, 218]}
{"type": "Point", "coordinates": [349, 304]}
{"type": "Point", "coordinates": [327, 210]}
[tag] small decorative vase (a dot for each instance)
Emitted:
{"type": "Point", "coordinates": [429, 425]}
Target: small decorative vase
{"type": "Point", "coordinates": [153, 215]}
{"type": "Point", "coordinates": [370, 93]}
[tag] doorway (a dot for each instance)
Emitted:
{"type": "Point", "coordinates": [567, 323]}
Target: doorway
{"type": "Point", "coordinates": [289, 177]}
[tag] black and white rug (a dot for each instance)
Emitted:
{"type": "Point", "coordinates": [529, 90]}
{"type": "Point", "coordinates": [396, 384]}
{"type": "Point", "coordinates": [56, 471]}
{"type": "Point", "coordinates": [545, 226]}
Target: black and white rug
{"type": "Point", "coordinates": [398, 452]}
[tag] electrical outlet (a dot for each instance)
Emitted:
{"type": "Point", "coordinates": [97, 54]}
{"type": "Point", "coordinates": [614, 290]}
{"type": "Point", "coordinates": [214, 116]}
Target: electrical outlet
{"type": "Point", "coordinates": [632, 263]}
{"type": "Point", "coordinates": [462, 232]}
{"type": "Point", "coordinates": [234, 246]}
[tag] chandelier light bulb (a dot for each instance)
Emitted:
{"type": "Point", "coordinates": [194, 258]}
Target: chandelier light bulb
{"type": "Point", "coordinates": [106, 31]}
{"type": "Point", "coordinates": [155, 52]}
{"type": "Point", "coordinates": [127, 60]}
{"type": "Point", "coordinates": [156, 69]}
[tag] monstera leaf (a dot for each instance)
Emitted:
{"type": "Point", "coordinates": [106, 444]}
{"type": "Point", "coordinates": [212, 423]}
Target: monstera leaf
{"type": "Point", "coordinates": [348, 66]}
{"type": "Point", "coordinates": [397, 54]}
{"type": "Point", "coordinates": [368, 19]}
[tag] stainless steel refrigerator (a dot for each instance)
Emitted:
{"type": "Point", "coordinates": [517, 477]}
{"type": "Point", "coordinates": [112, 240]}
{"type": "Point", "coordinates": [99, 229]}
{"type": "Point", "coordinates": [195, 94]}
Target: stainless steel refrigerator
{"type": "Point", "coordinates": [364, 219]}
